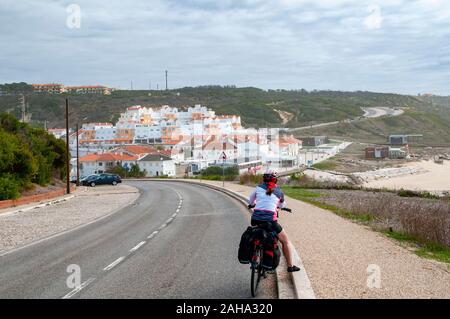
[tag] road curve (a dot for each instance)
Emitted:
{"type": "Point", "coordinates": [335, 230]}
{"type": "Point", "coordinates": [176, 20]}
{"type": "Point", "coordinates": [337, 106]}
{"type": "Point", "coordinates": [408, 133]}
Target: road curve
{"type": "Point", "coordinates": [176, 241]}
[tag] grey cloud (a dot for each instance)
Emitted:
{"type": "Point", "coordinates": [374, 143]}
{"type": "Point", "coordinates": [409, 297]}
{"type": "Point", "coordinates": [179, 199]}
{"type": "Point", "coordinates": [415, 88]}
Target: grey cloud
{"type": "Point", "coordinates": [321, 44]}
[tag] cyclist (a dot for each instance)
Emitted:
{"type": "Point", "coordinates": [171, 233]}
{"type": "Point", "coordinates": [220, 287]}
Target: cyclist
{"type": "Point", "coordinates": [266, 199]}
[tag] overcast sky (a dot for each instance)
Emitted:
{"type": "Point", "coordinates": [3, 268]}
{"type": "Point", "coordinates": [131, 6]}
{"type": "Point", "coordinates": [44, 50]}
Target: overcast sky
{"type": "Point", "coordinates": [398, 46]}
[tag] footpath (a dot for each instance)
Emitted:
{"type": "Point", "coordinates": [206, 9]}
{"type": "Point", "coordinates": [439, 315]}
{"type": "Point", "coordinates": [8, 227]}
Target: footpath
{"type": "Point", "coordinates": [346, 260]}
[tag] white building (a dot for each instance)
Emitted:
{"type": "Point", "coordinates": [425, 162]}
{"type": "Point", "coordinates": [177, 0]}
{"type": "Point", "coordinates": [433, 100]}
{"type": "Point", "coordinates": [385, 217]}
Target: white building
{"type": "Point", "coordinates": [157, 165]}
{"type": "Point", "coordinates": [100, 163]}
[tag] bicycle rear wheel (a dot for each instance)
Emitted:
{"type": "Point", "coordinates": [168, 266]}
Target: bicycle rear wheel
{"type": "Point", "coordinates": [257, 272]}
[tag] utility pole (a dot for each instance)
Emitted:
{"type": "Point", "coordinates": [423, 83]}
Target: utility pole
{"type": "Point", "coordinates": [166, 82]}
{"type": "Point", "coordinates": [224, 157]}
{"type": "Point", "coordinates": [78, 161]}
{"type": "Point", "coordinates": [67, 149]}
{"type": "Point", "coordinates": [131, 85]}
{"type": "Point", "coordinates": [25, 118]}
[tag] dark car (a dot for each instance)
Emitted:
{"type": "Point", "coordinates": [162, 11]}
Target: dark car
{"type": "Point", "coordinates": [102, 179]}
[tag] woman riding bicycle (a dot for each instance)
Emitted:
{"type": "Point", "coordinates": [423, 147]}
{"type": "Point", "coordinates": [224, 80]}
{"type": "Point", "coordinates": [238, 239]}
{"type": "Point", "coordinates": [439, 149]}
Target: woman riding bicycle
{"type": "Point", "coordinates": [266, 199]}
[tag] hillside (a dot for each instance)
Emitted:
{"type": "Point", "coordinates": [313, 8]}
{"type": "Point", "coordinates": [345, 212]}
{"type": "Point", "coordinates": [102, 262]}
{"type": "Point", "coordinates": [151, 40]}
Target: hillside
{"type": "Point", "coordinates": [434, 127]}
{"type": "Point", "coordinates": [257, 107]}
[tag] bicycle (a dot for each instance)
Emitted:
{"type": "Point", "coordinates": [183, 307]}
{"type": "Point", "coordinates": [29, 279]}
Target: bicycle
{"type": "Point", "coordinates": [257, 269]}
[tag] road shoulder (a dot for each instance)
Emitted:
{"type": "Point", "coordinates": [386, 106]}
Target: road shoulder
{"type": "Point", "coordinates": [23, 226]}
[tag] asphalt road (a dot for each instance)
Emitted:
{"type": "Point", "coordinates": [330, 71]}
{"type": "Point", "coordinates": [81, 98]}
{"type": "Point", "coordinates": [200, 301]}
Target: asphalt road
{"type": "Point", "coordinates": [176, 241]}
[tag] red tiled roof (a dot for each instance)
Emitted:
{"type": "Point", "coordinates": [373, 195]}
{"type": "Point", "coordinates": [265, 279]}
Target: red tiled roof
{"type": "Point", "coordinates": [139, 149]}
{"type": "Point", "coordinates": [86, 87]}
{"type": "Point", "coordinates": [108, 157]}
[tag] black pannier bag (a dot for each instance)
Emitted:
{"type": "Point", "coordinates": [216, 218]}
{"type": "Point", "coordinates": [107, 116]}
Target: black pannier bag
{"type": "Point", "coordinates": [246, 245]}
{"type": "Point", "coordinates": [272, 253]}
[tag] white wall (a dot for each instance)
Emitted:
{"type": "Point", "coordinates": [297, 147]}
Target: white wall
{"type": "Point", "coordinates": [158, 168]}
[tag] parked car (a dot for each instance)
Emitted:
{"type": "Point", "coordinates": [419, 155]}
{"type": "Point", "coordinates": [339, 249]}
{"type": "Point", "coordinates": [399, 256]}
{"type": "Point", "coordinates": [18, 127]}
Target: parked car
{"type": "Point", "coordinates": [102, 179]}
{"type": "Point", "coordinates": [85, 178]}
{"type": "Point", "coordinates": [73, 179]}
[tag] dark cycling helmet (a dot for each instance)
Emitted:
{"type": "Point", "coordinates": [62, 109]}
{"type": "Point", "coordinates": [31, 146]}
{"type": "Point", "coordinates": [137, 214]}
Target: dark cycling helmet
{"type": "Point", "coordinates": [270, 177]}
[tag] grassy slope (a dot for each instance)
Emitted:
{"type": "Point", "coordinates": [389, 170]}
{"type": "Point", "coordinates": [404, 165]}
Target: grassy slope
{"type": "Point", "coordinates": [257, 107]}
{"type": "Point", "coordinates": [435, 128]}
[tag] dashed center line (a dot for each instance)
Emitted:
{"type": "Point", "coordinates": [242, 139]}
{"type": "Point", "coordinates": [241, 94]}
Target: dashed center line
{"type": "Point", "coordinates": [78, 289]}
{"type": "Point", "coordinates": [114, 263]}
{"type": "Point", "coordinates": [137, 246]}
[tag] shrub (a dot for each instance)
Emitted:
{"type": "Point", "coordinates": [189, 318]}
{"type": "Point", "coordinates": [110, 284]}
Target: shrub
{"type": "Point", "coordinates": [28, 155]}
{"type": "Point", "coordinates": [217, 172]}
{"type": "Point", "coordinates": [117, 170]}
{"type": "Point", "coordinates": [9, 188]}
{"type": "Point", "coordinates": [136, 172]}
{"type": "Point", "coordinates": [250, 179]}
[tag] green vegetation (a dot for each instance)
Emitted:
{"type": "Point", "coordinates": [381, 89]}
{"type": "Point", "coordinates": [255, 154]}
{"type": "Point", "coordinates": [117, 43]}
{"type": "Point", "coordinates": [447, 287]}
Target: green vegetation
{"type": "Point", "coordinates": [420, 194]}
{"type": "Point", "coordinates": [308, 197]}
{"type": "Point", "coordinates": [27, 155]}
{"type": "Point", "coordinates": [421, 248]}
{"type": "Point", "coordinates": [16, 88]}
{"type": "Point", "coordinates": [134, 172]}
{"type": "Point", "coordinates": [250, 179]}
{"type": "Point", "coordinates": [256, 107]}
{"type": "Point", "coordinates": [435, 128]}
{"type": "Point", "coordinates": [327, 165]}
{"type": "Point", "coordinates": [216, 173]}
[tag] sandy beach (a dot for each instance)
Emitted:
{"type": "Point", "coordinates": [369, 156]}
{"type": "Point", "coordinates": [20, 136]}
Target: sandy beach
{"type": "Point", "coordinates": [434, 178]}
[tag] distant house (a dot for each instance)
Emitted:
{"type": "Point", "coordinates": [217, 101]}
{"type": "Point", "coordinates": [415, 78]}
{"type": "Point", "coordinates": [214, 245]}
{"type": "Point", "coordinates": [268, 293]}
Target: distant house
{"type": "Point", "coordinates": [403, 139]}
{"type": "Point", "coordinates": [314, 140]}
{"type": "Point", "coordinates": [58, 132]}
{"type": "Point", "coordinates": [100, 163]}
{"type": "Point", "coordinates": [157, 165]}
{"type": "Point", "coordinates": [88, 89]}
{"type": "Point", "coordinates": [377, 152]}
{"type": "Point", "coordinates": [54, 88]}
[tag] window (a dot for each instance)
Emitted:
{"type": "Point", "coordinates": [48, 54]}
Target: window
{"type": "Point", "coordinates": [100, 163]}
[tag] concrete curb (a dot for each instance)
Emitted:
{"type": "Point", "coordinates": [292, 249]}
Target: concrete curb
{"type": "Point", "coordinates": [290, 285]}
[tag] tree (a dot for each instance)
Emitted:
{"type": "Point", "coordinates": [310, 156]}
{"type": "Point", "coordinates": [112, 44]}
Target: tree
{"type": "Point", "coordinates": [27, 155]}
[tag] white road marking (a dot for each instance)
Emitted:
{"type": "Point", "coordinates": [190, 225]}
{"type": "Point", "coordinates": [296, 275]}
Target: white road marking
{"type": "Point", "coordinates": [169, 220]}
{"type": "Point", "coordinates": [163, 226]}
{"type": "Point", "coordinates": [178, 210]}
{"type": "Point", "coordinates": [137, 246]}
{"type": "Point", "coordinates": [174, 215]}
{"type": "Point", "coordinates": [113, 264]}
{"type": "Point", "coordinates": [78, 289]}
